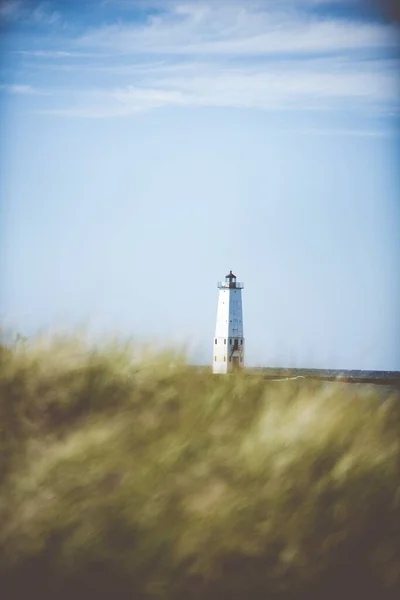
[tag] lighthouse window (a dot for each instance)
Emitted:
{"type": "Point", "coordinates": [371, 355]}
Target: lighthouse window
{"type": "Point", "coordinates": [241, 342]}
{"type": "Point", "coordinates": [215, 341]}
{"type": "Point", "coordinates": [230, 340]}
{"type": "Point", "coordinates": [224, 358]}
{"type": "Point", "coordinates": [225, 341]}
{"type": "Point", "coordinates": [215, 359]}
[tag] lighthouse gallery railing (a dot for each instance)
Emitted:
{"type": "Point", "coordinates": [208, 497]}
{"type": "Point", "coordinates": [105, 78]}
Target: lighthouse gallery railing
{"type": "Point", "coordinates": [230, 286]}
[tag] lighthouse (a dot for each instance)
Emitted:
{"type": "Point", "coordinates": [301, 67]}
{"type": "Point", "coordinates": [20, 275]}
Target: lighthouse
{"type": "Point", "coordinates": [228, 343]}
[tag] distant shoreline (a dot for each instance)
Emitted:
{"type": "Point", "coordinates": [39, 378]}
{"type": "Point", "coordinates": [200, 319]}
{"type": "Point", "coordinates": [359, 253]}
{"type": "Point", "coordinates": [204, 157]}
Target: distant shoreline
{"type": "Point", "coordinates": [340, 375]}
{"type": "Point", "coordinates": [388, 378]}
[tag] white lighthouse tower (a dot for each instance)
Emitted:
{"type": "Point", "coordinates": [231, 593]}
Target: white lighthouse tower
{"type": "Point", "coordinates": [228, 340]}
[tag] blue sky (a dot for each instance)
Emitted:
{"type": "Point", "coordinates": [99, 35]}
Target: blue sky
{"type": "Point", "coordinates": [148, 147]}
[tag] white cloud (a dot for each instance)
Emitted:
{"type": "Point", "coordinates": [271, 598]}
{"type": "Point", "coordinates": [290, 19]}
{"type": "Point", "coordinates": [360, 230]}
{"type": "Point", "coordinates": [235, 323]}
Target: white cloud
{"type": "Point", "coordinates": [317, 85]}
{"type": "Point", "coordinates": [234, 29]}
{"type": "Point", "coordinates": [43, 13]}
{"type": "Point", "coordinates": [19, 89]}
{"type": "Point", "coordinates": [375, 133]}
{"type": "Point", "coordinates": [54, 54]}
{"type": "Point", "coordinates": [228, 54]}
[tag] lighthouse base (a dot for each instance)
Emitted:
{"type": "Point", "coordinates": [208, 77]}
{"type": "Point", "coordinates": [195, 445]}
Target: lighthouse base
{"type": "Point", "coordinates": [222, 368]}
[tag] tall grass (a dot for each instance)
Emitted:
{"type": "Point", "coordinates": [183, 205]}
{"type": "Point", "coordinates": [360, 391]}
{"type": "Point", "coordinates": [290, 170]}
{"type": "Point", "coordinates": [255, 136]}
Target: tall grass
{"type": "Point", "coordinates": [129, 476]}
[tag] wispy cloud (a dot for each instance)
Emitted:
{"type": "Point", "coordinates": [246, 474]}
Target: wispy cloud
{"type": "Point", "coordinates": [61, 54]}
{"type": "Point", "coordinates": [206, 28]}
{"type": "Point", "coordinates": [25, 90]}
{"type": "Point", "coordinates": [374, 133]}
{"type": "Point", "coordinates": [262, 55]}
{"type": "Point", "coordinates": [315, 84]}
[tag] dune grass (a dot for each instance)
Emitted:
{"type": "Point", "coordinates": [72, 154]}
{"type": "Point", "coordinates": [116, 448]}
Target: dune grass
{"type": "Point", "coordinates": [136, 476]}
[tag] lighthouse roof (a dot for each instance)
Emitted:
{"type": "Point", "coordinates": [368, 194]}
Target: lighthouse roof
{"type": "Point", "coordinates": [230, 282]}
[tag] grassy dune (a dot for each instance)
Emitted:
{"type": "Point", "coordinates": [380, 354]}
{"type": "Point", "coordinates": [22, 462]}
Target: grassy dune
{"type": "Point", "coordinates": [127, 476]}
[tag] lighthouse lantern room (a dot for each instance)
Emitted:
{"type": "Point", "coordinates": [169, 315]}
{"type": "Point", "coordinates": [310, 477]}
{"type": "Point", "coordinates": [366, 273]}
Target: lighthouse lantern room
{"type": "Point", "coordinates": [228, 344]}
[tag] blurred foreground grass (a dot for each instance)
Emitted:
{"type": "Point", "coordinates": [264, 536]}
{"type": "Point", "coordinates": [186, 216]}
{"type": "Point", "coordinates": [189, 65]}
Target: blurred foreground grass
{"type": "Point", "coordinates": [126, 476]}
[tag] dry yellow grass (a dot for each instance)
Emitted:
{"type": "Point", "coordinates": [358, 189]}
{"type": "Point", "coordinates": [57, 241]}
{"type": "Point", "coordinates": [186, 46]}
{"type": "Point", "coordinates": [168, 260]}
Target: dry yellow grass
{"type": "Point", "coordinates": [133, 477]}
